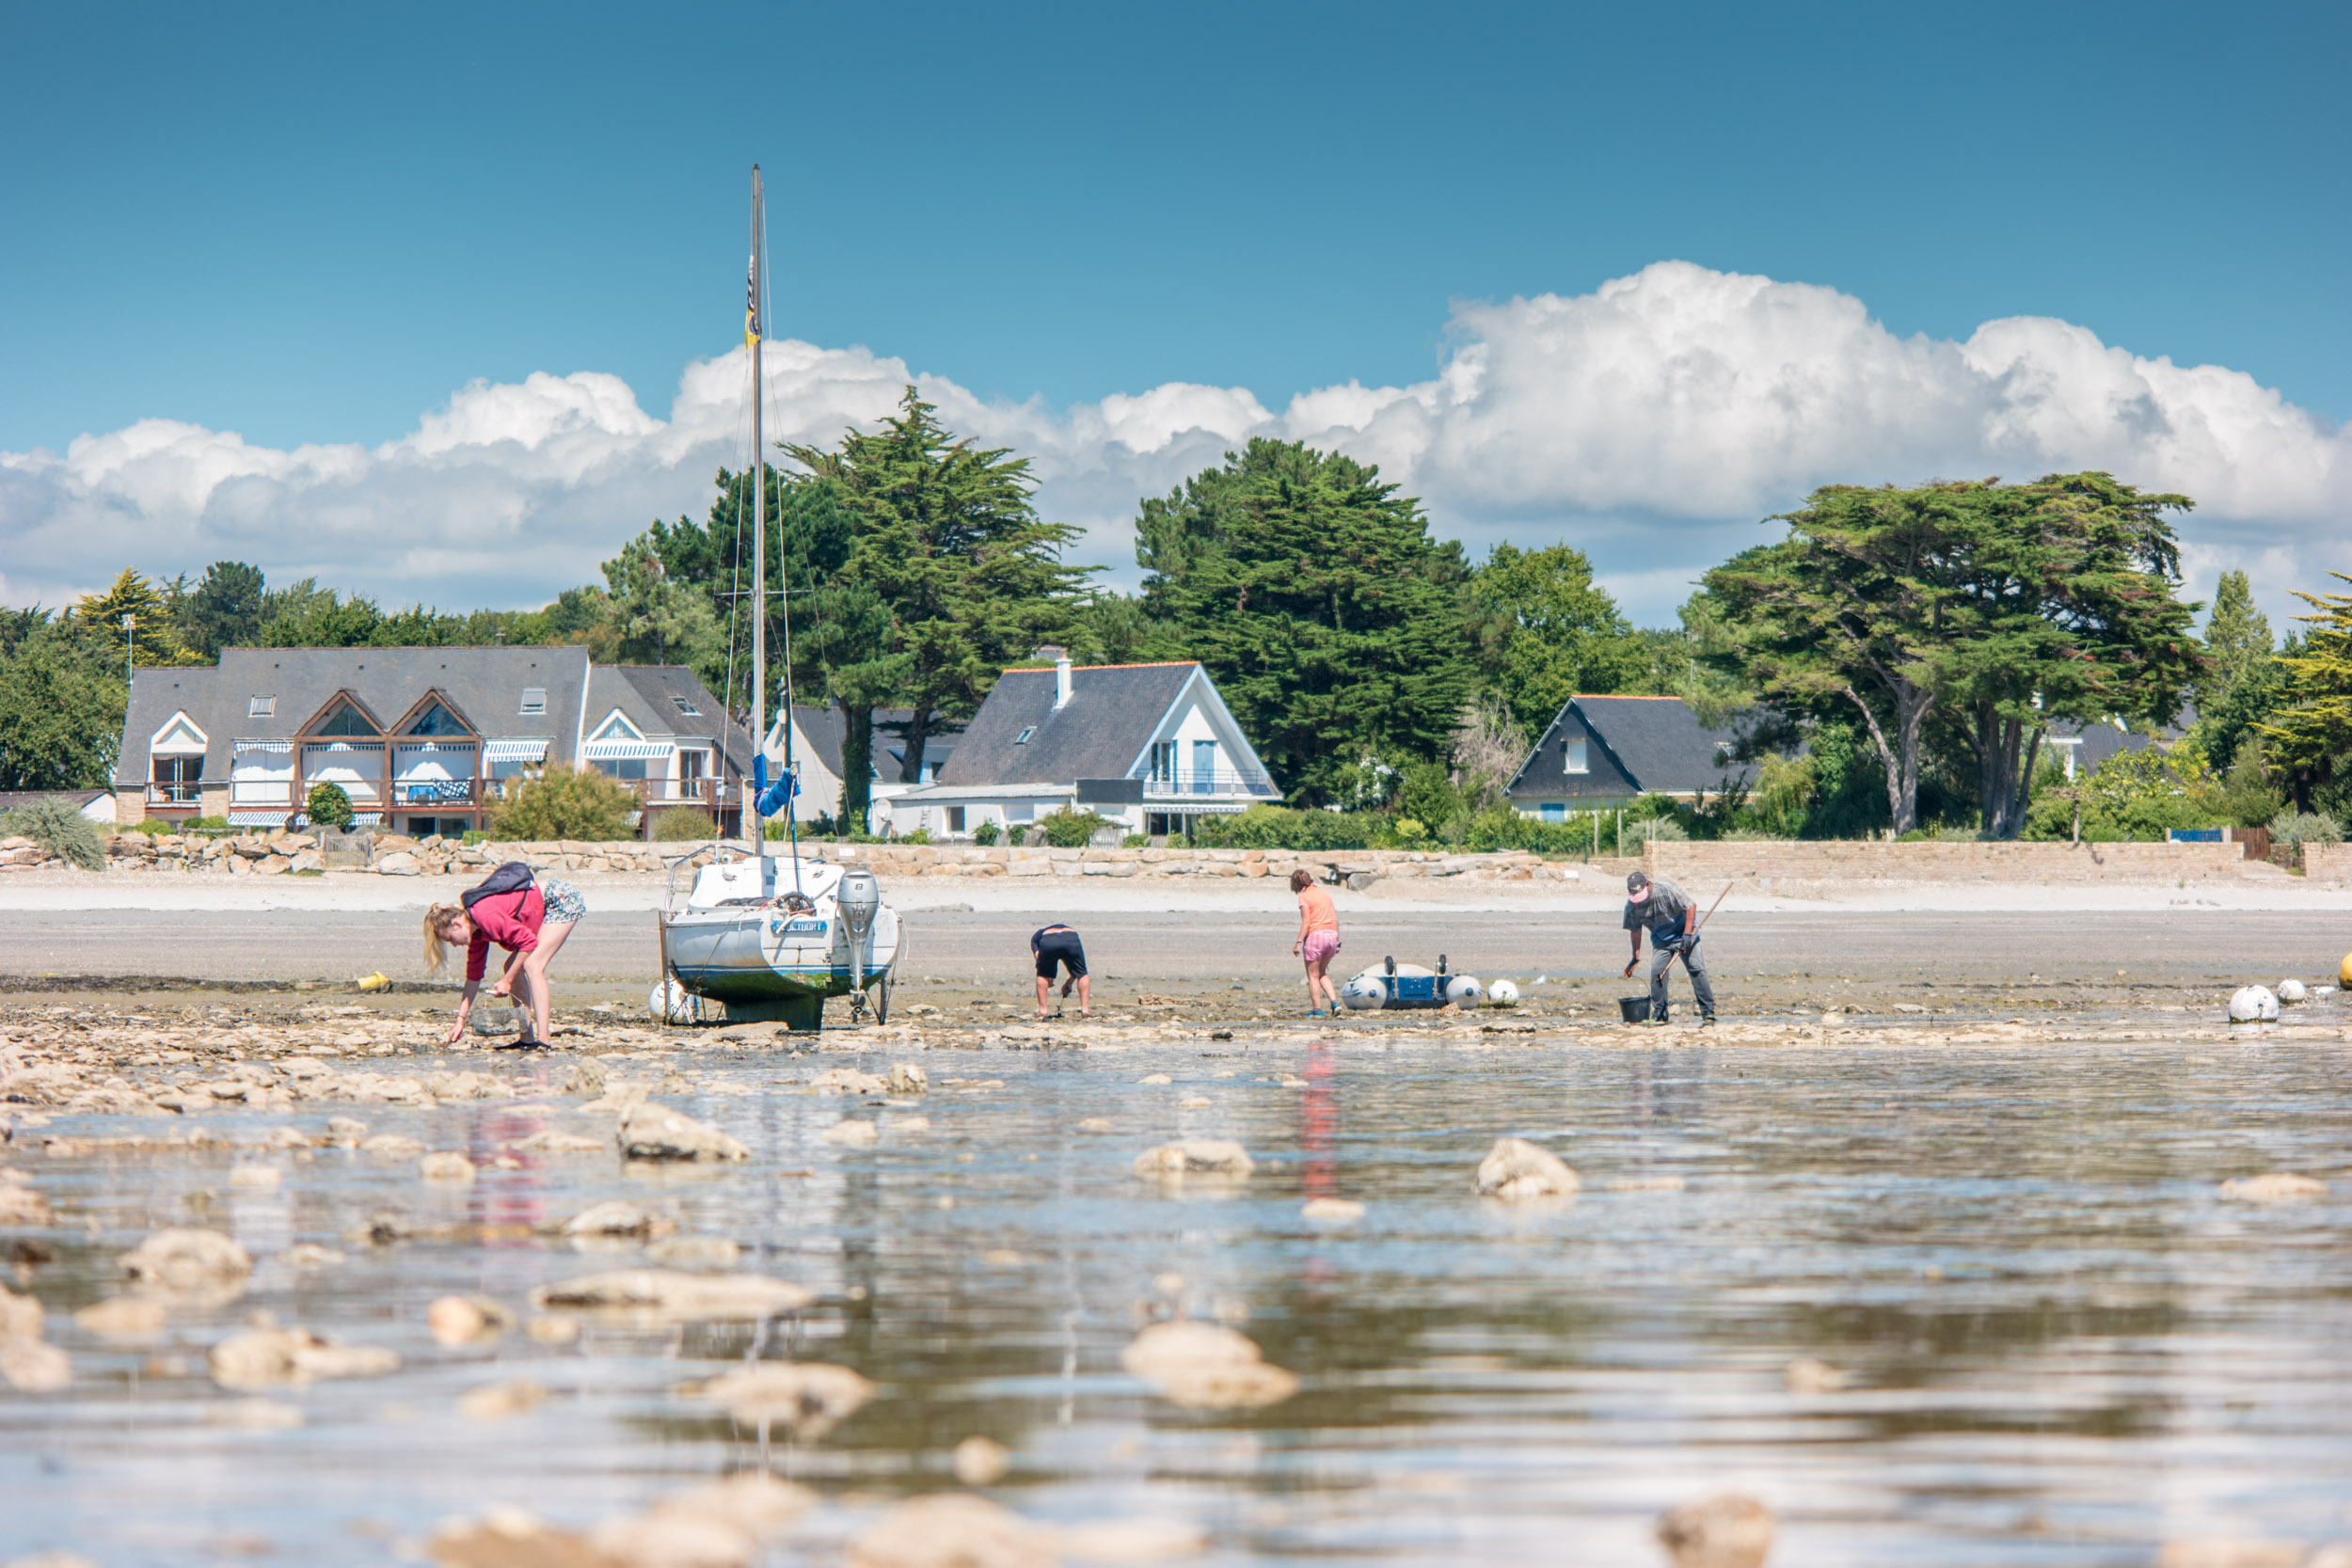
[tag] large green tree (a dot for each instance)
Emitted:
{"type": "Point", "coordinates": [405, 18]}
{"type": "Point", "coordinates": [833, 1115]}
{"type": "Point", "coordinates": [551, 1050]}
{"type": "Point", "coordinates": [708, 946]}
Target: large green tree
{"type": "Point", "coordinates": [1988, 607]}
{"type": "Point", "coordinates": [1554, 634]}
{"type": "Point", "coordinates": [1331, 621]}
{"type": "Point", "coordinates": [2238, 638]}
{"type": "Point", "coordinates": [2308, 736]}
{"type": "Point", "coordinates": [225, 608]}
{"type": "Point", "coordinates": [62, 699]}
{"type": "Point", "coordinates": [945, 538]}
{"type": "Point", "coordinates": [154, 636]}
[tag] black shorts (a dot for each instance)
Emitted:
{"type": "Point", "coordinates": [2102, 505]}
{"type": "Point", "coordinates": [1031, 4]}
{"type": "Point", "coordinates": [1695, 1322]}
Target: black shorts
{"type": "Point", "coordinates": [1060, 947]}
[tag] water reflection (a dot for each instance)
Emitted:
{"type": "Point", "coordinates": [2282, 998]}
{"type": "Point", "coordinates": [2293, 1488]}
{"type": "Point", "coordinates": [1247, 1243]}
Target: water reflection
{"type": "Point", "coordinates": [2061, 1345]}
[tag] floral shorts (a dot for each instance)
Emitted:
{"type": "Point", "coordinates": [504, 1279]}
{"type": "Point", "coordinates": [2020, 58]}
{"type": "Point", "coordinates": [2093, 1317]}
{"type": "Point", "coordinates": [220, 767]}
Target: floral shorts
{"type": "Point", "coordinates": [561, 901]}
{"type": "Point", "coordinates": [1319, 946]}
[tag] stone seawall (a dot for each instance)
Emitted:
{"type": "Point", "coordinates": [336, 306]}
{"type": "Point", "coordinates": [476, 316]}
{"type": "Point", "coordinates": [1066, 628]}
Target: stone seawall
{"type": "Point", "coordinates": [1794, 868]}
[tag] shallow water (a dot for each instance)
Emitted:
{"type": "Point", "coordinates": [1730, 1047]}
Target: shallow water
{"type": "Point", "coordinates": [2063, 1345]}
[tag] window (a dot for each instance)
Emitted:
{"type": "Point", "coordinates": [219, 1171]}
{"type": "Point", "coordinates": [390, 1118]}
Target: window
{"type": "Point", "coordinates": [1164, 760]}
{"type": "Point", "coordinates": [534, 699]}
{"type": "Point", "coordinates": [1023, 738]}
{"type": "Point", "coordinates": [1573, 759]}
{"type": "Point", "coordinates": [437, 719]}
{"type": "Point", "coordinates": [1020, 811]}
{"type": "Point", "coordinates": [684, 707]}
{"type": "Point", "coordinates": [955, 819]}
{"type": "Point", "coordinates": [262, 707]}
{"type": "Point", "coordinates": [630, 769]}
{"type": "Point", "coordinates": [178, 780]}
{"type": "Point", "coordinates": [1555, 811]}
{"type": "Point", "coordinates": [346, 719]}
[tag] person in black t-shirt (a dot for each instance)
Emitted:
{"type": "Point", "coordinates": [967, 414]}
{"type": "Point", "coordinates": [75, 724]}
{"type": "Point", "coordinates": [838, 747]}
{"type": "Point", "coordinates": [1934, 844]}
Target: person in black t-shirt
{"type": "Point", "coordinates": [1059, 945]}
{"type": "Point", "coordinates": [1673, 927]}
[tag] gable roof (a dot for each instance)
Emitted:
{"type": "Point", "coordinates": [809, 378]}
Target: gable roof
{"type": "Point", "coordinates": [1654, 744]}
{"type": "Point", "coordinates": [1100, 734]}
{"type": "Point", "coordinates": [824, 728]}
{"type": "Point", "coordinates": [647, 695]}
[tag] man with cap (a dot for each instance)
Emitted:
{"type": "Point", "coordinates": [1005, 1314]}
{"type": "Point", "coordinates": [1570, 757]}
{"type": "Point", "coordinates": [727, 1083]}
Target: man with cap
{"type": "Point", "coordinates": [1673, 927]}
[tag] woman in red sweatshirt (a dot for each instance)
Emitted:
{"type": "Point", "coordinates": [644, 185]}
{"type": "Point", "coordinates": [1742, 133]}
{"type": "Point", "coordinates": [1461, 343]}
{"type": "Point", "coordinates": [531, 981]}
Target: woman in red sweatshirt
{"type": "Point", "coordinates": [528, 923]}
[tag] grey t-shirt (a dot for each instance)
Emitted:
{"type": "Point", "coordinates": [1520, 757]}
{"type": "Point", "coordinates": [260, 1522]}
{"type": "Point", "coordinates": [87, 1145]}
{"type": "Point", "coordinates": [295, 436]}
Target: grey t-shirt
{"type": "Point", "coordinates": [1662, 911]}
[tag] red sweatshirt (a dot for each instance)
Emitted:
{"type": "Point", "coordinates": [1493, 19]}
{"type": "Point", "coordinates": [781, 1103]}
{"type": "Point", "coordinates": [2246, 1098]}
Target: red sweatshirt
{"type": "Point", "coordinates": [510, 919]}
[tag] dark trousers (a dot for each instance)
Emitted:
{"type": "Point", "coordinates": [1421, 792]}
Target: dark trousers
{"type": "Point", "coordinates": [1694, 957]}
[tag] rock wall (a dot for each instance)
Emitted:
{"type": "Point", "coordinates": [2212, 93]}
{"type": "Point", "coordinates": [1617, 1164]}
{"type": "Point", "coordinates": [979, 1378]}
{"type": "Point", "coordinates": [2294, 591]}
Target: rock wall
{"type": "Point", "coordinates": [1792, 868]}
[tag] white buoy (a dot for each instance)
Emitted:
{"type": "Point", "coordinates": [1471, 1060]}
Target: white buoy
{"type": "Point", "coordinates": [2292, 990]}
{"type": "Point", "coordinates": [669, 1003]}
{"type": "Point", "coordinates": [1464, 990]}
{"type": "Point", "coordinates": [2254, 1004]}
{"type": "Point", "coordinates": [1502, 993]}
{"type": "Point", "coordinates": [1364, 990]}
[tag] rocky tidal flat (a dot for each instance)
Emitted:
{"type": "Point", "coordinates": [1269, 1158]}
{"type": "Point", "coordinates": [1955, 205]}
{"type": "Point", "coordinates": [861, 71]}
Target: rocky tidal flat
{"type": "Point", "coordinates": [1924, 1281]}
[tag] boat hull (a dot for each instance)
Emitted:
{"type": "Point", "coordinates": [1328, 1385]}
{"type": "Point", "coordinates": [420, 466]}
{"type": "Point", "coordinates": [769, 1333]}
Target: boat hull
{"type": "Point", "coordinates": [768, 962]}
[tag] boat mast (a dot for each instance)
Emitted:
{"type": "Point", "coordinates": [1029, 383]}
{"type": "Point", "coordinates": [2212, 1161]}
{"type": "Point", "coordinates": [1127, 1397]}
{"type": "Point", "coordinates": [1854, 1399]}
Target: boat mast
{"type": "Point", "coordinates": [752, 331]}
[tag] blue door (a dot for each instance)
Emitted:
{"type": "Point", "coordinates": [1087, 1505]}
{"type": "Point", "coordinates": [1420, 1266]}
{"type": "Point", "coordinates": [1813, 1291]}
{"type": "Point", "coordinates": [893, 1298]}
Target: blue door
{"type": "Point", "coordinates": [1203, 767]}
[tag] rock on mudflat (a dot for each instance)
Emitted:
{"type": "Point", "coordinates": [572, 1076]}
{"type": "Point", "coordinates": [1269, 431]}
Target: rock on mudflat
{"type": "Point", "coordinates": [952, 1529]}
{"type": "Point", "coordinates": [619, 1218]}
{"type": "Point", "coordinates": [851, 1133]}
{"type": "Point", "coordinates": [445, 1165]}
{"type": "Point", "coordinates": [907, 1078]}
{"type": "Point", "coordinates": [1206, 1367]}
{"type": "Point", "coordinates": [807, 1396]}
{"type": "Point", "coordinates": [1515, 1171]}
{"type": "Point", "coordinates": [179, 1259]}
{"type": "Point", "coordinates": [2278, 1186]}
{"type": "Point", "coordinates": [21, 1205]}
{"type": "Point", "coordinates": [1331, 1211]}
{"type": "Point", "coordinates": [1804, 1375]}
{"type": "Point", "coordinates": [495, 1401]}
{"type": "Point", "coordinates": [467, 1321]}
{"type": "Point", "coordinates": [122, 1318]}
{"type": "Point", "coordinates": [721, 1526]}
{"type": "Point", "coordinates": [2234, 1553]}
{"type": "Point", "coordinates": [20, 1317]}
{"type": "Point", "coordinates": [34, 1365]}
{"type": "Point", "coordinates": [702, 1252]}
{"type": "Point", "coordinates": [265, 1357]}
{"type": "Point", "coordinates": [1725, 1532]}
{"type": "Point", "coordinates": [552, 1141]}
{"type": "Point", "coordinates": [651, 1131]}
{"type": "Point", "coordinates": [980, 1461]}
{"type": "Point", "coordinates": [1219, 1157]}
{"type": "Point", "coordinates": [668, 1296]}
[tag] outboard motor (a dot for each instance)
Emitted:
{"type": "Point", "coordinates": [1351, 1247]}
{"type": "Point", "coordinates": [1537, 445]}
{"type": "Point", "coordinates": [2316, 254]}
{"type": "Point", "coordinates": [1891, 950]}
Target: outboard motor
{"type": "Point", "coordinates": [859, 898]}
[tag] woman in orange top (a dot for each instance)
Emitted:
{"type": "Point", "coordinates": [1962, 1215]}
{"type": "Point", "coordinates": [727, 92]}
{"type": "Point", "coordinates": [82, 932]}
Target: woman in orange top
{"type": "Point", "coordinates": [1318, 940]}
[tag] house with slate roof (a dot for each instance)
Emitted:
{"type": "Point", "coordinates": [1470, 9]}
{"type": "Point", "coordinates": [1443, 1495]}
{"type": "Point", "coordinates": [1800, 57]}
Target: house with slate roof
{"type": "Point", "coordinates": [422, 739]}
{"type": "Point", "coordinates": [1601, 751]}
{"type": "Point", "coordinates": [1150, 745]}
{"type": "Point", "coordinates": [817, 736]}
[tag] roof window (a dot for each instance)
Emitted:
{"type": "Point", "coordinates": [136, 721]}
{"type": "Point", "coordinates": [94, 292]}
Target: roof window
{"type": "Point", "coordinates": [1023, 738]}
{"type": "Point", "coordinates": [1574, 759]}
{"type": "Point", "coordinates": [684, 707]}
{"type": "Point", "coordinates": [262, 707]}
{"type": "Point", "coordinates": [534, 699]}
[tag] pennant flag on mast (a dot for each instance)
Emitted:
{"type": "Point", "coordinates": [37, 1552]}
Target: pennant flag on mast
{"type": "Point", "coordinates": [751, 303]}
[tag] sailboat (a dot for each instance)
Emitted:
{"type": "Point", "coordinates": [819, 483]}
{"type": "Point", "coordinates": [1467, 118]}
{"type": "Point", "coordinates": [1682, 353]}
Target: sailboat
{"type": "Point", "coordinates": [768, 936]}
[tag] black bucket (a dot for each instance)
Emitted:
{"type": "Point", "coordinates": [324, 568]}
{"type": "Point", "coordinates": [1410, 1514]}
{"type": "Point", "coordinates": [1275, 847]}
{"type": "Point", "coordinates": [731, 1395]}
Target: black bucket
{"type": "Point", "coordinates": [1636, 1008]}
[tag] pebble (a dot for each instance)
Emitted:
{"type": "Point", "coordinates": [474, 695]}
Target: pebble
{"type": "Point", "coordinates": [651, 1131]}
{"type": "Point", "coordinates": [187, 1260]}
{"type": "Point", "coordinates": [445, 1165]}
{"type": "Point", "coordinates": [723, 1525]}
{"type": "Point", "coordinates": [20, 1317]}
{"type": "Point", "coordinates": [34, 1365]}
{"type": "Point", "coordinates": [806, 1396]}
{"type": "Point", "coordinates": [1647, 1184]}
{"type": "Point", "coordinates": [495, 1401]}
{"type": "Point", "coordinates": [2278, 1186]}
{"type": "Point", "coordinates": [1213, 1157]}
{"type": "Point", "coordinates": [309, 1255]}
{"type": "Point", "coordinates": [620, 1217]}
{"type": "Point", "coordinates": [1804, 1375]}
{"type": "Point", "coordinates": [1516, 1171]}
{"type": "Point", "coordinates": [1205, 1366]}
{"type": "Point", "coordinates": [668, 1296]}
{"type": "Point", "coordinates": [552, 1141]}
{"type": "Point", "coordinates": [908, 1078]}
{"type": "Point", "coordinates": [122, 1318]}
{"type": "Point", "coordinates": [264, 1357]}
{"type": "Point", "coordinates": [851, 1133]}
{"type": "Point", "coordinates": [980, 1461]}
{"type": "Point", "coordinates": [1725, 1532]}
{"type": "Point", "coordinates": [1194, 1102]}
{"type": "Point", "coordinates": [1156, 1078]}
{"type": "Point", "coordinates": [555, 1331]}
{"type": "Point", "coordinates": [391, 1146]}
{"type": "Point", "coordinates": [457, 1321]}
{"type": "Point", "coordinates": [20, 1205]}
{"type": "Point", "coordinates": [910, 1124]}
{"type": "Point", "coordinates": [2224, 1553]}
{"type": "Point", "coordinates": [696, 1252]}
{"type": "Point", "coordinates": [952, 1529]}
{"type": "Point", "coordinates": [1331, 1211]}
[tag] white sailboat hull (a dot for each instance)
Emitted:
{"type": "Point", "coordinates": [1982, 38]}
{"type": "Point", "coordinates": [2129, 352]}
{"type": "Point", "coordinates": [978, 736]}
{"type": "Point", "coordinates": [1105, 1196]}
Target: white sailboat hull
{"type": "Point", "coordinates": [763, 959]}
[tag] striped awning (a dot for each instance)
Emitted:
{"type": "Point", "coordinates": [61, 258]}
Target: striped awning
{"type": "Point", "coordinates": [259, 818]}
{"type": "Point", "coordinates": [262, 745]}
{"type": "Point", "coordinates": [514, 751]}
{"type": "Point", "coordinates": [625, 751]}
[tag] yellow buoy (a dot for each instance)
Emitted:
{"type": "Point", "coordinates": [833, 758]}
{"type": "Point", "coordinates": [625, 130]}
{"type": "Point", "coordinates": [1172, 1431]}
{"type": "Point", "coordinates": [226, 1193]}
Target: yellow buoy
{"type": "Point", "coordinates": [378, 981]}
{"type": "Point", "coordinates": [2344, 972]}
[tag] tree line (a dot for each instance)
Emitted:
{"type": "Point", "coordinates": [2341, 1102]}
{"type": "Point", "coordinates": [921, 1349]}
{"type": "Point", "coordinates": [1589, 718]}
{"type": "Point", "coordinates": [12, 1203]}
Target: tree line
{"type": "Point", "coordinates": [1894, 658]}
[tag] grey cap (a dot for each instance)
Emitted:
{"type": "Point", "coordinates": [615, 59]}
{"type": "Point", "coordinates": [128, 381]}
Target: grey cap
{"type": "Point", "coordinates": [1636, 880]}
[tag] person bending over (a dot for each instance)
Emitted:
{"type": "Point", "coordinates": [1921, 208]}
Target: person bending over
{"type": "Point", "coordinates": [1318, 942]}
{"type": "Point", "coordinates": [527, 921]}
{"type": "Point", "coordinates": [1059, 945]}
{"type": "Point", "coordinates": [1673, 927]}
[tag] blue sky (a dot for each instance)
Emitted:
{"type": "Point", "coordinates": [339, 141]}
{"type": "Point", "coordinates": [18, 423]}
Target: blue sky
{"type": "Point", "coordinates": [311, 226]}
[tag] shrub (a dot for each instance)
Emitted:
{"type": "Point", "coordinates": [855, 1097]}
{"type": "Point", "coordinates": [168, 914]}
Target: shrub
{"type": "Point", "coordinates": [1073, 830]}
{"type": "Point", "coordinates": [920, 835]}
{"type": "Point", "coordinates": [683, 825]}
{"type": "Point", "coordinates": [985, 834]}
{"type": "Point", "coordinates": [1137, 841]}
{"type": "Point", "coordinates": [565, 802]}
{"type": "Point", "coordinates": [1282, 828]}
{"type": "Point", "coordinates": [2295, 828]}
{"type": "Point", "coordinates": [206, 825]}
{"type": "Point", "coordinates": [329, 807]}
{"type": "Point", "coordinates": [153, 827]}
{"type": "Point", "coordinates": [57, 828]}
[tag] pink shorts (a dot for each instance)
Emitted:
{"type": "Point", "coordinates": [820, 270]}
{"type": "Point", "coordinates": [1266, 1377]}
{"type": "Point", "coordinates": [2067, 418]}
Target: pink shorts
{"type": "Point", "coordinates": [1319, 946]}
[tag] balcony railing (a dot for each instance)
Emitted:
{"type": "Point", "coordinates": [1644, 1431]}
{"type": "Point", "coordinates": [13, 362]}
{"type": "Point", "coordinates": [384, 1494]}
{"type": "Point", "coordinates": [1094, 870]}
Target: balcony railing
{"type": "Point", "coordinates": [1207, 781]}
{"type": "Point", "coordinates": [169, 793]}
{"type": "Point", "coordinates": [704, 792]}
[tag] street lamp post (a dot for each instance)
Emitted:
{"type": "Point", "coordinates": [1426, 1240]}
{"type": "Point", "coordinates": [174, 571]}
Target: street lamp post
{"type": "Point", "coordinates": [130, 641]}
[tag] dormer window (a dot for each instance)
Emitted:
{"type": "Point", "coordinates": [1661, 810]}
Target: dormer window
{"type": "Point", "coordinates": [1023, 738]}
{"type": "Point", "coordinates": [684, 707]}
{"type": "Point", "coordinates": [346, 719]}
{"type": "Point", "coordinates": [261, 706]}
{"type": "Point", "coordinates": [534, 699]}
{"type": "Point", "coordinates": [437, 719]}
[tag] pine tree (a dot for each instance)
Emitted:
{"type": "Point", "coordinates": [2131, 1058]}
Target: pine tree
{"type": "Point", "coordinates": [2237, 637]}
{"type": "Point", "coordinates": [2309, 735]}
{"type": "Point", "coordinates": [1330, 619]}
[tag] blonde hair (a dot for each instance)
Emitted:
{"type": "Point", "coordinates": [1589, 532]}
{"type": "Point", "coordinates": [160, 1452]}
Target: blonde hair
{"type": "Point", "coordinates": [1301, 881]}
{"type": "Point", "coordinates": [436, 954]}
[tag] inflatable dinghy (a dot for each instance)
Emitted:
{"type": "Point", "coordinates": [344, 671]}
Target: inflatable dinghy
{"type": "Point", "coordinates": [1409, 986]}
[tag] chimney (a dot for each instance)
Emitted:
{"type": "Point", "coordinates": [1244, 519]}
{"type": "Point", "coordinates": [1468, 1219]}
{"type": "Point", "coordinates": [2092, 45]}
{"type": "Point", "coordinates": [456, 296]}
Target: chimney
{"type": "Point", "coordinates": [1061, 677]}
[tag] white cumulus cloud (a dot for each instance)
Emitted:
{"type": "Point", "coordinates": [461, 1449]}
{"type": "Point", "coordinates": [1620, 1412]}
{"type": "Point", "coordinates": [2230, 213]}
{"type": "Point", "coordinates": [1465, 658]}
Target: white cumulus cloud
{"type": "Point", "coordinates": [1652, 420]}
